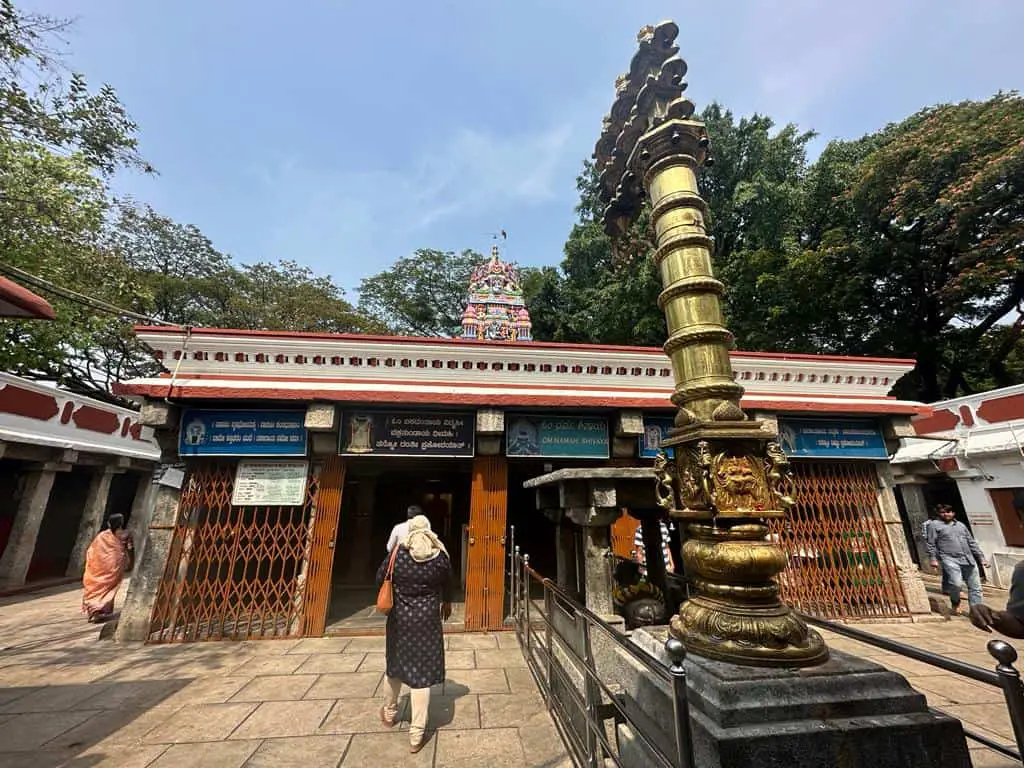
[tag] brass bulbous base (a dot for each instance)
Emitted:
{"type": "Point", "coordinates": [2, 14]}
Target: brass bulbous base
{"type": "Point", "coordinates": [737, 615]}
{"type": "Point", "coordinates": [762, 635]}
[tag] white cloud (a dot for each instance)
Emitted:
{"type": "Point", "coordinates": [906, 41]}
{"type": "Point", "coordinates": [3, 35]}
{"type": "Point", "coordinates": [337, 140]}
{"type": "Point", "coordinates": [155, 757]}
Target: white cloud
{"type": "Point", "coordinates": [473, 172]}
{"type": "Point", "coordinates": [373, 216]}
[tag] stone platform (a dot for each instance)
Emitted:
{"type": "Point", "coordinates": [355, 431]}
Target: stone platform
{"type": "Point", "coordinates": [846, 712]}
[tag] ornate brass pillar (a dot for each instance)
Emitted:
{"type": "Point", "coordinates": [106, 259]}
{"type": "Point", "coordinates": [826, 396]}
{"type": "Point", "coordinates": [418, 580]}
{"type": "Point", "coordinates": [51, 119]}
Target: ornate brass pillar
{"type": "Point", "coordinates": [729, 476]}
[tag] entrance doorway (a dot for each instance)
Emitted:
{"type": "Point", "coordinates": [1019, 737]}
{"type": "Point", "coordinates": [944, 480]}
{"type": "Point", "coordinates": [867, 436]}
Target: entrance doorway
{"type": "Point", "coordinates": [377, 495]}
{"type": "Point", "coordinates": [529, 529]}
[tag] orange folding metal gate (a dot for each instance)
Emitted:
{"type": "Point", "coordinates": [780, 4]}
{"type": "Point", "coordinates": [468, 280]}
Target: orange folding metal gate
{"type": "Point", "coordinates": [485, 571]}
{"type": "Point", "coordinates": [840, 560]}
{"type": "Point", "coordinates": [248, 572]}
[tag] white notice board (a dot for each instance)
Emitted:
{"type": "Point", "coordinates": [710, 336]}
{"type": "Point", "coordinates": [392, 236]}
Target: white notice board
{"type": "Point", "coordinates": [270, 483]}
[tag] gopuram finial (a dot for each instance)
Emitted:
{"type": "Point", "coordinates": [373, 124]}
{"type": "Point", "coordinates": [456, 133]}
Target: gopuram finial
{"type": "Point", "coordinates": [495, 309]}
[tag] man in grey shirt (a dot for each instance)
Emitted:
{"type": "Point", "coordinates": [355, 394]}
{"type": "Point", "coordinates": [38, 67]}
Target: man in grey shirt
{"type": "Point", "coordinates": [951, 544]}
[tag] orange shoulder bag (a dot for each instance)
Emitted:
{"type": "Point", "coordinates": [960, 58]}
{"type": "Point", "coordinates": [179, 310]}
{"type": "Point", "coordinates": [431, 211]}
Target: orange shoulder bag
{"type": "Point", "coordinates": [385, 597]}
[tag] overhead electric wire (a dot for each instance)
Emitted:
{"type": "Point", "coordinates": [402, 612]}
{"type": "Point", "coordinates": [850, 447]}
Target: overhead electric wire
{"type": "Point", "coordinates": [75, 296]}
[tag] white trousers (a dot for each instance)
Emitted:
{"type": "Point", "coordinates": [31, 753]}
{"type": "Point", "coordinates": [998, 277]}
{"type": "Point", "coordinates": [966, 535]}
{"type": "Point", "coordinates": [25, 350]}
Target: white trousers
{"type": "Point", "coordinates": [419, 699]}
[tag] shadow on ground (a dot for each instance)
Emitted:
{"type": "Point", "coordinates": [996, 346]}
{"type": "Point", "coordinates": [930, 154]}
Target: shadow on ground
{"type": "Point", "coordinates": [61, 725]}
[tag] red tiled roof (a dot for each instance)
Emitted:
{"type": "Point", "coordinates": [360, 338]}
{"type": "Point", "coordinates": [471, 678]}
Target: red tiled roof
{"type": "Point", "coordinates": [17, 301]}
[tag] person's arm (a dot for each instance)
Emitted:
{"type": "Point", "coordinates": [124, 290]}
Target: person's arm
{"type": "Point", "coordinates": [1011, 621]}
{"type": "Point", "coordinates": [1003, 622]}
{"type": "Point", "coordinates": [393, 538]}
{"type": "Point", "coordinates": [975, 549]}
{"type": "Point", "coordinates": [929, 544]}
{"type": "Point", "coordinates": [447, 591]}
{"type": "Point", "coordinates": [638, 547]}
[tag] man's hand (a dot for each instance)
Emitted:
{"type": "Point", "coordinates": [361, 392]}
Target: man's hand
{"type": "Point", "coordinates": [934, 563]}
{"type": "Point", "coordinates": [984, 563]}
{"type": "Point", "coordinates": [446, 611]}
{"type": "Point", "coordinates": [983, 617]}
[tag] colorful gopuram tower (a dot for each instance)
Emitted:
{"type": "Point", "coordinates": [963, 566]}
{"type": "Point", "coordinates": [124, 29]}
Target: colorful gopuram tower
{"type": "Point", "coordinates": [496, 310]}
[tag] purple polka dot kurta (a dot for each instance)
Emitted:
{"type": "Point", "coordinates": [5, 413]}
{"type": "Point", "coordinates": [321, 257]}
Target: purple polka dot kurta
{"type": "Point", "coordinates": [415, 642]}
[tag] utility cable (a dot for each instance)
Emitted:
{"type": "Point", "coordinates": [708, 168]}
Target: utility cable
{"type": "Point", "coordinates": [79, 298]}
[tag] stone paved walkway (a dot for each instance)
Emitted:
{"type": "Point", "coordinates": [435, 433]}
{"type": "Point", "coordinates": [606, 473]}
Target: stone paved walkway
{"type": "Point", "coordinates": [980, 707]}
{"type": "Point", "coordinates": [69, 699]}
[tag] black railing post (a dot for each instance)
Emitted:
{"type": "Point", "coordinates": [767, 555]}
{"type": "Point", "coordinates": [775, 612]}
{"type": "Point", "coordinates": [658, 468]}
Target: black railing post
{"type": "Point", "coordinates": [1009, 680]}
{"type": "Point", "coordinates": [514, 585]}
{"type": "Point", "coordinates": [592, 696]}
{"type": "Point", "coordinates": [680, 704]}
{"type": "Point", "coordinates": [550, 616]}
{"type": "Point", "coordinates": [526, 605]}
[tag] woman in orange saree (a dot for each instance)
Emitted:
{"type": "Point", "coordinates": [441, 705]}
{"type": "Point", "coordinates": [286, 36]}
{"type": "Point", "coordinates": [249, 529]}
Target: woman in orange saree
{"type": "Point", "coordinates": [105, 563]}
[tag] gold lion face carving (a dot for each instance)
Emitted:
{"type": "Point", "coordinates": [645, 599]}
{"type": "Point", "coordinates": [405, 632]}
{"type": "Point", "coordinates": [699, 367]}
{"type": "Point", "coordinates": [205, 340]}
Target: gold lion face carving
{"type": "Point", "coordinates": [738, 485]}
{"type": "Point", "coordinates": [736, 477]}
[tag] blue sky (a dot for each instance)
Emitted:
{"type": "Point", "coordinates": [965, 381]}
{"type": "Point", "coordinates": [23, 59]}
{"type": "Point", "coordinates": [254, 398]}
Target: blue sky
{"type": "Point", "coordinates": [343, 134]}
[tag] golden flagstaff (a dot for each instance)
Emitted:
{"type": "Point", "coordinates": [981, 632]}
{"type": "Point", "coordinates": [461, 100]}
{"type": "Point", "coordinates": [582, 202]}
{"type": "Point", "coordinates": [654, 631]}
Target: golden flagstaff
{"type": "Point", "coordinates": [728, 476]}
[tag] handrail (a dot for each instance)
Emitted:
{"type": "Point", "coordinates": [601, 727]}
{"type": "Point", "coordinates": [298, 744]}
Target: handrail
{"type": "Point", "coordinates": [594, 701]}
{"type": "Point", "coordinates": [1005, 677]}
{"type": "Point", "coordinates": [980, 674]}
{"type": "Point", "coordinates": [638, 655]}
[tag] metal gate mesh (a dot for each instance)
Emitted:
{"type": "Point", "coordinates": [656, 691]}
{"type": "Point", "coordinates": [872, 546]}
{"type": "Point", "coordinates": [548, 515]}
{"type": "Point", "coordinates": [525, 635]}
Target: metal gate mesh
{"type": "Point", "coordinates": [840, 562]}
{"type": "Point", "coordinates": [233, 572]}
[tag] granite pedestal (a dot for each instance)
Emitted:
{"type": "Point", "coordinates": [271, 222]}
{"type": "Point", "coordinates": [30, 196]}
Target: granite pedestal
{"type": "Point", "coordinates": [846, 712]}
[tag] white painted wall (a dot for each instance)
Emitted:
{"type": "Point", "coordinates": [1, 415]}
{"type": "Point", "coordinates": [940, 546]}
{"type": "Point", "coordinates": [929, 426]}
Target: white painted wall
{"type": "Point", "coordinates": [999, 470]}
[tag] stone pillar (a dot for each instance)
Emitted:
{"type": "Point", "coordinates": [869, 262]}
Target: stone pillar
{"type": "Point", "coordinates": [361, 532]}
{"type": "Point", "coordinates": [21, 544]}
{"type": "Point", "coordinates": [909, 575]}
{"type": "Point", "coordinates": [151, 560]}
{"type": "Point", "coordinates": [92, 518]}
{"type": "Point", "coordinates": [142, 510]}
{"type": "Point", "coordinates": [154, 546]}
{"type": "Point", "coordinates": [917, 513]}
{"type": "Point", "coordinates": [598, 572]}
{"type": "Point", "coordinates": [565, 554]}
{"type": "Point", "coordinates": [592, 499]}
{"type": "Point", "coordinates": [629, 428]}
{"type": "Point", "coordinates": [490, 428]}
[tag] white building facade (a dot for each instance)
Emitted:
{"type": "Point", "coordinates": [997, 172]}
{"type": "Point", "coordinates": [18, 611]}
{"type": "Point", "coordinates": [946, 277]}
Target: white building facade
{"type": "Point", "coordinates": [970, 453]}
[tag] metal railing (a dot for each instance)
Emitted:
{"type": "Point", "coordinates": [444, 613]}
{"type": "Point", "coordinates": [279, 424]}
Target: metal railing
{"type": "Point", "coordinates": [1005, 677]}
{"type": "Point", "coordinates": [558, 636]}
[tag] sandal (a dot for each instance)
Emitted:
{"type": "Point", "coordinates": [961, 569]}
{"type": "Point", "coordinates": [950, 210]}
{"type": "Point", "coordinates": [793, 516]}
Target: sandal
{"type": "Point", "coordinates": [389, 722]}
{"type": "Point", "coordinates": [414, 748]}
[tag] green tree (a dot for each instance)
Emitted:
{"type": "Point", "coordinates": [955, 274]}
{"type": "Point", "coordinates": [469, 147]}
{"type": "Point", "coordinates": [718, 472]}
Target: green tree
{"type": "Point", "coordinates": [42, 104]}
{"type": "Point", "coordinates": [288, 296]}
{"type": "Point", "coordinates": [187, 280]}
{"type": "Point", "coordinates": [920, 252]}
{"type": "Point", "coordinates": [57, 142]}
{"type": "Point", "coordinates": [421, 295]}
{"type": "Point", "coordinates": [755, 191]}
{"type": "Point", "coordinates": [542, 292]}
{"type": "Point", "coordinates": [609, 293]}
{"type": "Point", "coordinates": [51, 224]}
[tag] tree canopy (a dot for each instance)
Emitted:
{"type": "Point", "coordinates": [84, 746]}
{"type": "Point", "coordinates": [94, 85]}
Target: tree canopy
{"type": "Point", "coordinates": [59, 144]}
{"type": "Point", "coordinates": [906, 242]}
{"type": "Point", "coordinates": [421, 295]}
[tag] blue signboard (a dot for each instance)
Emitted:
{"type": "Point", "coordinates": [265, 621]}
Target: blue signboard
{"type": "Point", "coordinates": [242, 433]}
{"type": "Point", "coordinates": [821, 439]}
{"type": "Point", "coordinates": [576, 437]}
{"type": "Point", "coordinates": [655, 430]}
